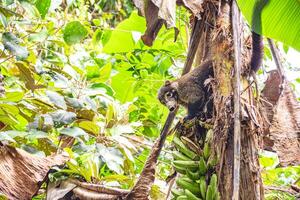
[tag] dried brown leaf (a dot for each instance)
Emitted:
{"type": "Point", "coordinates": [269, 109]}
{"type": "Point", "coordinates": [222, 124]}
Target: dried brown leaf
{"type": "Point", "coordinates": [21, 173]}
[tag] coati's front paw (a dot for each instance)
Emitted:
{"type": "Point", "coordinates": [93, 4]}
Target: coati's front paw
{"type": "Point", "coordinates": [188, 118]}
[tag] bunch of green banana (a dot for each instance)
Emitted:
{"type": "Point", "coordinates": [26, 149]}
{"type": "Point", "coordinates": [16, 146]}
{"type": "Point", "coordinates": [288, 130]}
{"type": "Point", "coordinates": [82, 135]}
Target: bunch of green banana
{"type": "Point", "coordinates": [192, 183]}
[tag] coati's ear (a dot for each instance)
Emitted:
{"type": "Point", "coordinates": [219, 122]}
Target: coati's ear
{"type": "Point", "coordinates": [167, 83]}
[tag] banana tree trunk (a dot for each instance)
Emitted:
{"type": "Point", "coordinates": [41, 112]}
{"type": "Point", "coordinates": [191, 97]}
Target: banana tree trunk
{"type": "Point", "coordinates": [217, 44]}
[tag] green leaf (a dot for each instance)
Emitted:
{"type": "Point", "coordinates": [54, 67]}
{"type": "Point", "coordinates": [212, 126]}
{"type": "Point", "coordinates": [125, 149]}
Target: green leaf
{"type": "Point", "coordinates": [26, 75]}
{"type": "Point", "coordinates": [73, 132]}
{"type": "Point", "coordinates": [90, 127]}
{"type": "Point", "coordinates": [30, 9]}
{"type": "Point", "coordinates": [123, 85]}
{"type": "Point", "coordinates": [39, 37]}
{"type": "Point", "coordinates": [7, 12]}
{"type": "Point", "coordinates": [13, 96]}
{"type": "Point", "coordinates": [3, 20]}
{"type": "Point", "coordinates": [74, 32]}
{"type": "Point", "coordinates": [280, 20]}
{"type": "Point", "coordinates": [11, 43]}
{"type": "Point", "coordinates": [43, 7]}
{"type": "Point", "coordinates": [122, 39]}
{"type": "Point", "coordinates": [105, 72]}
{"type": "Point", "coordinates": [108, 89]}
{"type": "Point", "coordinates": [57, 99]}
{"type": "Point", "coordinates": [36, 134]}
{"type": "Point", "coordinates": [63, 117]}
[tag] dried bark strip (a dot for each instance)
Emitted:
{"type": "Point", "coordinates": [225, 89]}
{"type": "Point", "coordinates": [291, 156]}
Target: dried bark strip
{"type": "Point", "coordinates": [21, 173]}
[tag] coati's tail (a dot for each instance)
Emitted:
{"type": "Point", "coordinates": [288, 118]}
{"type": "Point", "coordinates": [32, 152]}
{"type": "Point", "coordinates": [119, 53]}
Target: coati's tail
{"type": "Point", "coordinates": [257, 52]}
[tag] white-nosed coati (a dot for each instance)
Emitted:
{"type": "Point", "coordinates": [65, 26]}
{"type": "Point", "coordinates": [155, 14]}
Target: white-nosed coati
{"type": "Point", "coordinates": [190, 90]}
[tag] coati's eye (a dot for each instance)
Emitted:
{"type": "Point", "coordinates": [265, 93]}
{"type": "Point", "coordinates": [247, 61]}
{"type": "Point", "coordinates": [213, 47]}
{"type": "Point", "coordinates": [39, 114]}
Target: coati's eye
{"type": "Point", "coordinates": [168, 94]}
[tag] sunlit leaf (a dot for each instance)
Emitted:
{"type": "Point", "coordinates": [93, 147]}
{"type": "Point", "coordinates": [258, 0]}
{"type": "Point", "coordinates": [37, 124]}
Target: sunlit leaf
{"type": "Point", "coordinates": [57, 99]}
{"type": "Point", "coordinates": [63, 117]}
{"type": "Point", "coordinates": [73, 132]}
{"type": "Point", "coordinates": [122, 39]}
{"type": "Point", "coordinates": [279, 19]}
{"type": "Point", "coordinates": [13, 96]}
{"type": "Point", "coordinates": [89, 127]}
{"type": "Point", "coordinates": [43, 7]}
{"type": "Point", "coordinates": [11, 43]}
{"type": "Point", "coordinates": [39, 37]}
{"type": "Point", "coordinates": [74, 32]}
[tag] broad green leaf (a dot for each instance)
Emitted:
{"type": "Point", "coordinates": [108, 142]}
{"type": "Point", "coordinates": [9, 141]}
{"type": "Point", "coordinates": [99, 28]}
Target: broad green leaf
{"type": "Point", "coordinates": [280, 20]}
{"type": "Point", "coordinates": [13, 96]}
{"type": "Point", "coordinates": [105, 72]}
{"type": "Point", "coordinates": [6, 137]}
{"type": "Point", "coordinates": [57, 99]}
{"type": "Point", "coordinates": [39, 37]}
{"type": "Point", "coordinates": [63, 117]}
{"type": "Point", "coordinates": [73, 132]}
{"type": "Point", "coordinates": [8, 109]}
{"type": "Point", "coordinates": [36, 134]}
{"type": "Point", "coordinates": [123, 84]}
{"type": "Point", "coordinates": [112, 157]}
{"type": "Point", "coordinates": [11, 43]}
{"type": "Point", "coordinates": [30, 9]}
{"type": "Point", "coordinates": [268, 160]}
{"type": "Point", "coordinates": [90, 127]}
{"type": "Point", "coordinates": [3, 196]}
{"type": "Point", "coordinates": [122, 39]}
{"type": "Point", "coordinates": [74, 102]}
{"type": "Point", "coordinates": [43, 7]}
{"type": "Point", "coordinates": [108, 89]}
{"type": "Point", "coordinates": [97, 36]}
{"type": "Point", "coordinates": [26, 75]}
{"type": "Point", "coordinates": [42, 122]}
{"type": "Point", "coordinates": [74, 32]}
{"type": "Point", "coordinates": [8, 12]}
{"type": "Point", "coordinates": [3, 20]}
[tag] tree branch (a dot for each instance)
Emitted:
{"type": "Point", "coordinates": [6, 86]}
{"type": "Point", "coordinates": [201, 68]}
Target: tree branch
{"type": "Point", "coordinates": [237, 124]}
{"type": "Point", "coordinates": [275, 54]}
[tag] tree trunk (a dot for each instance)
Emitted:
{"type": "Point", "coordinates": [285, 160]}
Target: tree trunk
{"type": "Point", "coordinates": [218, 43]}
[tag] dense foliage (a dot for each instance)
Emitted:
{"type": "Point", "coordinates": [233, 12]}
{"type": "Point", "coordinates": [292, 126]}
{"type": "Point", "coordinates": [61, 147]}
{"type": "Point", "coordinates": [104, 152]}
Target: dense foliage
{"type": "Point", "coordinates": [78, 68]}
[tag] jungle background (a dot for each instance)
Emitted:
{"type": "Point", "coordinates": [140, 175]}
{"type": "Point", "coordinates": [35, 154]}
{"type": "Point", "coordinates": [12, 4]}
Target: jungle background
{"type": "Point", "coordinates": [78, 68]}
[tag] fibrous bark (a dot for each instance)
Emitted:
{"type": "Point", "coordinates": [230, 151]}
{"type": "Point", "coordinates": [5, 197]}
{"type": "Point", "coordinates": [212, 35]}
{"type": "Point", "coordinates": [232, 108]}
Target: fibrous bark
{"type": "Point", "coordinates": [21, 173]}
{"type": "Point", "coordinates": [283, 112]}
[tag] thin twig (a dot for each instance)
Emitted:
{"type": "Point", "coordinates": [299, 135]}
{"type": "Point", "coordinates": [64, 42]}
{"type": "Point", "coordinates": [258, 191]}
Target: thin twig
{"type": "Point", "coordinates": [275, 54]}
{"type": "Point", "coordinates": [237, 123]}
{"type": "Point", "coordinates": [280, 189]}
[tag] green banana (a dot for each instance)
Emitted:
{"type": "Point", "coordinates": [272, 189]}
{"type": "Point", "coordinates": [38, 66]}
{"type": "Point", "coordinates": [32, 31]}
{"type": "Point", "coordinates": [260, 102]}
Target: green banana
{"type": "Point", "coordinates": [193, 175]}
{"type": "Point", "coordinates": [206, 151]}
{"type": "Point", "coordinates": [202, 166]}
{"type": "Point", "coordinates": [209, 195]}
{"type": "Point", "coordinates": [182, 197]}
{"type": "Point", "coordinates": [209, 136]}
{"type": "Point", "coordinates": [193, 187]}
{"type": "Point", "coordinates": [212, 161]}
{"type": "Point", "coordinates": [186, 164]}
{"type": "Point", "coordinates": [203, 187]}
{"type": "Point", "coordinates": [218, 196]}
{"type": "Point", "coordinates": [176, 192]}
{"type": "Point", "coordinates": [190, 195]}
{"type": "Point", "coordinates": [187, 179]}
{"type": "Point", "coordinates": [179, 156]}
{"type": "Point", "coordinates": [213, 184]}
{"type": "Point", "coordinates": [181, 170]}
{"type": "Point", "coordinates": [183, 149]}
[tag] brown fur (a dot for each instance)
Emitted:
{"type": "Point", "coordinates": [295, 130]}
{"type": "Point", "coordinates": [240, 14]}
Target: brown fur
{"type": "Point", "coordinates": [189, 91]}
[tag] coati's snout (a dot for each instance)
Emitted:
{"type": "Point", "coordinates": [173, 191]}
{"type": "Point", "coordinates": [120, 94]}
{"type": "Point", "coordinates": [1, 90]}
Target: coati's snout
{"type": "Point", "coordinates": [168, 96]}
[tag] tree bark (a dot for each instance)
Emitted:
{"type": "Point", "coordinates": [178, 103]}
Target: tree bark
{"type": "Point", "coordinates": [219, 42]}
